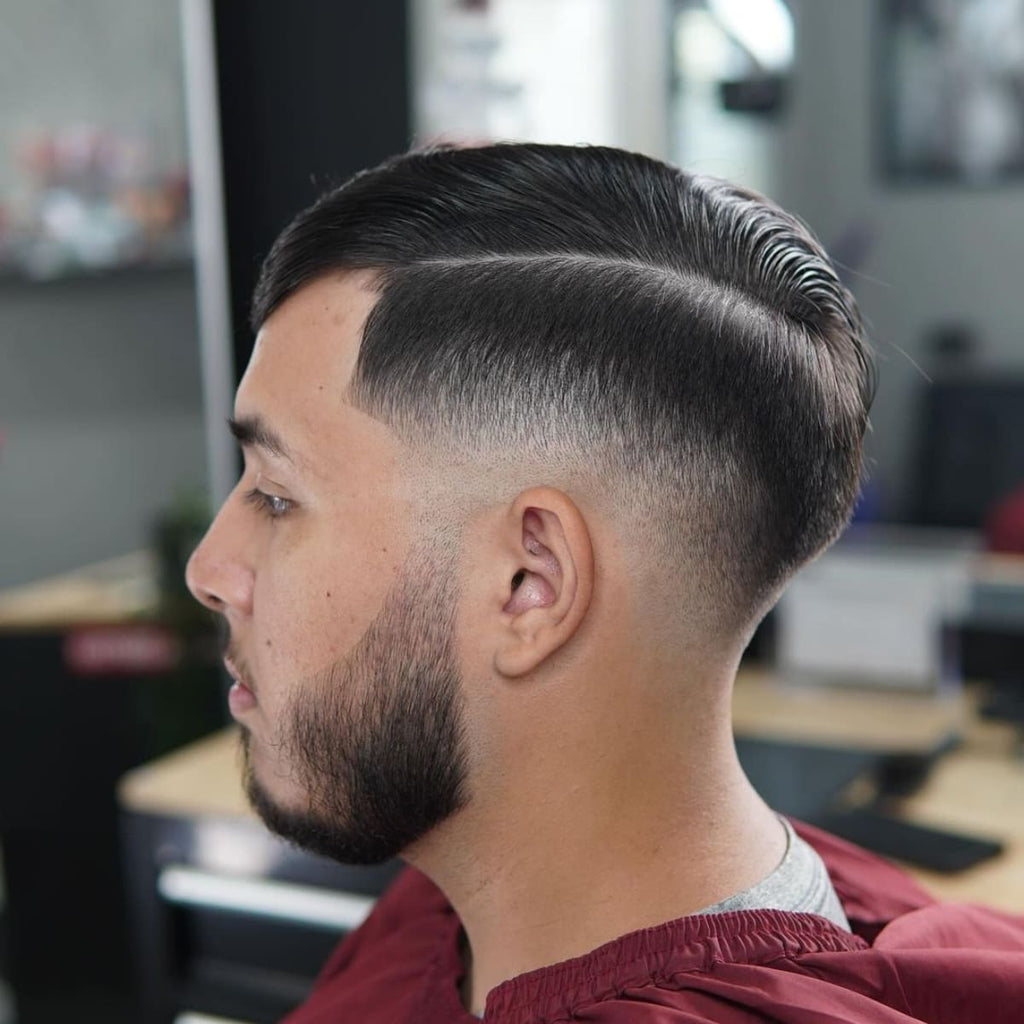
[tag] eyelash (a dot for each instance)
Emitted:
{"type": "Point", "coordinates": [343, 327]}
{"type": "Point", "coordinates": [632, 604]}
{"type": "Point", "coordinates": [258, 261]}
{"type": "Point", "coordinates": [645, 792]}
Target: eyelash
{"type": "Point", "coordinates": [269, 504]}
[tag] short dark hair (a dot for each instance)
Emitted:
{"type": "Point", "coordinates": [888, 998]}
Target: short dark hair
{"type": "Point", "coordinates": [682, 337]}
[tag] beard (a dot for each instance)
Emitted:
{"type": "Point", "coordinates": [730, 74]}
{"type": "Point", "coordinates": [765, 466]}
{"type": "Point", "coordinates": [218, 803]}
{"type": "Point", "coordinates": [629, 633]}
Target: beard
{"type": "Point", "coordinates": [376, 742]}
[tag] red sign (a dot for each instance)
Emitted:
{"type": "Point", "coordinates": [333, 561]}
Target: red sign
{"type": "Point", "coordinates": [120, 650]}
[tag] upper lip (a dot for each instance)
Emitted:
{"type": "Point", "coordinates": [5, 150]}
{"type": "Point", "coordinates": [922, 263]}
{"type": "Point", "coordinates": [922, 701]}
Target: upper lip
{"type": "Point", "coordinates": [235, 674]}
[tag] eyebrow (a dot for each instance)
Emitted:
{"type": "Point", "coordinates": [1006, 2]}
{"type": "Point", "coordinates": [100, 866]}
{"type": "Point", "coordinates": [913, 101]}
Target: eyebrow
{"type": "Point", "coordinates": [253, 432]}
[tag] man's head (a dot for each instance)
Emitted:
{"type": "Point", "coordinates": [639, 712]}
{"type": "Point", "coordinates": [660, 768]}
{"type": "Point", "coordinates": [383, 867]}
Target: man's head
{"type": "Point", "coordinates": [521, 404]}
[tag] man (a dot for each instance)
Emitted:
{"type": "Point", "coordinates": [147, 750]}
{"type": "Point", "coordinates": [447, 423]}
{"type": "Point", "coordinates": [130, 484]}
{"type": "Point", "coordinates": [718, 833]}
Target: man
{"type": "Point", "coordinates": [534, 436]}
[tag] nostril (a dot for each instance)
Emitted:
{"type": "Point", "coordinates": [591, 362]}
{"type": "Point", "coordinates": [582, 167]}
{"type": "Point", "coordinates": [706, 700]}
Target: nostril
{"type": "Point", "coordinates": [219, 579]}
{"type": "Point", "coordinates": [202, 593]}
{"type": "Point", "coordinates": [198, 580]}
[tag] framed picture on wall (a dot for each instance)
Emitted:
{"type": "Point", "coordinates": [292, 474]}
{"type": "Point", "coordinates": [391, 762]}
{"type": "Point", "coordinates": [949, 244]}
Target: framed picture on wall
{"type": "Point", "coordinates": [951, 90]}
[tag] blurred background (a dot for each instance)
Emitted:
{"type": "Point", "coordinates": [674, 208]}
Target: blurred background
{"type": "Point", "coordinates": [151, 150]}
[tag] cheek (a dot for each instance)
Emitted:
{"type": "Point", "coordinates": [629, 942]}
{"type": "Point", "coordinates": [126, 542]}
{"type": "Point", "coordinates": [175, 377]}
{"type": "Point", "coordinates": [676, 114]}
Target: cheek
{"type": "Point", "coordinates": [309, 612]}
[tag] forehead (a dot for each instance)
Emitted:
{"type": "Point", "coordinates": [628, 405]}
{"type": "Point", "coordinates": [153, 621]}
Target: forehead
{"type": "Point", "coordinates": [313, 337]}
{"type": "Point", "coordinates": [303, 360]}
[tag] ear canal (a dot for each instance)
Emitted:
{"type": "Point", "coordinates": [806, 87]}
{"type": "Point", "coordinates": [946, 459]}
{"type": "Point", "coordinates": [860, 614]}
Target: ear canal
{"type": "Point", "coordinates": [517, 580]}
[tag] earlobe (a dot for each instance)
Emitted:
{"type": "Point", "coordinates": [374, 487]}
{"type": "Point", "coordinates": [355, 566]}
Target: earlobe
{"type": "Point", "coordinates": [549, 591]}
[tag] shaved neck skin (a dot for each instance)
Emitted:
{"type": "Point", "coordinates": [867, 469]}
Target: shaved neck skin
{"type": "Point", "coordinates": [626, 806]}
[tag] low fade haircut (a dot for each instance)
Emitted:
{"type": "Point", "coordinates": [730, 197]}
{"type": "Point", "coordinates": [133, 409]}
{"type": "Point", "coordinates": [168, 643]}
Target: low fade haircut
{"type": "Point", "coordinates": [680, 341]}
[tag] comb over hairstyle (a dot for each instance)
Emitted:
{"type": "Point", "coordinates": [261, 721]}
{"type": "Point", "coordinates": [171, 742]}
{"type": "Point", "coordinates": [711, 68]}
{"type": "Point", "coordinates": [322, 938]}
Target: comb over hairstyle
{"type": "Point", "coordinates": [683, 341]}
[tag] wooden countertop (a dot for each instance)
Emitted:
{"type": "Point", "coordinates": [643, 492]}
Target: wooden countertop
{"type": "Point", "coordinates": [871, 719]}
{"type": "Point", "coordinates": [118, 590]}
{"type": "Point", "coordinates": [202, 779]}
{"type": "Point", "coordinates": [978, 789]}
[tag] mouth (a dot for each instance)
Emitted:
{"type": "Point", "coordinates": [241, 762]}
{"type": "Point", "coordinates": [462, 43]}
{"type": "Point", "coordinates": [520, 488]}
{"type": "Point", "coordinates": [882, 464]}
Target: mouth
{"type": "Point", "coordinates": [241, 696]}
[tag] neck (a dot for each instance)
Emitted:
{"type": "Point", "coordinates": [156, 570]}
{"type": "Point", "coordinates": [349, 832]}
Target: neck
{"type": "Point", "coordinates": [637, 834]}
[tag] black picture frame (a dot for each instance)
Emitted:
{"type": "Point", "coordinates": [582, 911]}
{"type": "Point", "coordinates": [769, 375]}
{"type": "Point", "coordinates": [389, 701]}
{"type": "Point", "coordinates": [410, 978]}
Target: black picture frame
{"type": "Point", "coordinates": [950, 91]}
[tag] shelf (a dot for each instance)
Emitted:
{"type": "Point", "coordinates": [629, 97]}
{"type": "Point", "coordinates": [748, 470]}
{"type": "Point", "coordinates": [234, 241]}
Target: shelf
{"type": "Point", "coordinates": [15, 276]}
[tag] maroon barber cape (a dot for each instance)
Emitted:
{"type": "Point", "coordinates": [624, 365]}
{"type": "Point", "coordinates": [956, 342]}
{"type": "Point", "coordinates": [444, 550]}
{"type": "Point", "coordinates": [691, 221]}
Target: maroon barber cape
{"type": "Point", "coordinates": [908, 959]}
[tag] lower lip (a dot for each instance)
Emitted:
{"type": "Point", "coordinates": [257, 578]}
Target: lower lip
{"type": "Point", "coordinates": [240, 698]}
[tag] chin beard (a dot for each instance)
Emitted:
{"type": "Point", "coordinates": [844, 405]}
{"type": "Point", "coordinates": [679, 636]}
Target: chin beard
{"type": "Point", "coordinates": [376, 742]}
{"type": "Point", "coordinates": [308, 831]}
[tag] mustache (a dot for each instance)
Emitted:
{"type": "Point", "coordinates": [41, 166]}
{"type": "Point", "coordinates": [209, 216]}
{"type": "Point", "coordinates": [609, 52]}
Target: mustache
{"type": "Point", "coordinates": [232, 653]}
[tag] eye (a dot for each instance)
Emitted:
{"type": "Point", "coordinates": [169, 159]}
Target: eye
{"type": "Point", "coordinates": [272, 505]}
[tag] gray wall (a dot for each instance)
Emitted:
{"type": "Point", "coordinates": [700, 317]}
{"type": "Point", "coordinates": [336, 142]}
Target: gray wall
{"type": "Point", "coordinates": [941, 252]}
{"type": "Point", "coordinates": [100, 414]}
{"type": "Point", "coordinates": [100, 404]}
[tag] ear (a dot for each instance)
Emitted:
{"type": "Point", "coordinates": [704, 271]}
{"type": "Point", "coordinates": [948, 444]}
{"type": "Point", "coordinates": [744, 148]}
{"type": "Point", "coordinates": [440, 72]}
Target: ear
{"type": "Point", "coordinates": [548, 566]}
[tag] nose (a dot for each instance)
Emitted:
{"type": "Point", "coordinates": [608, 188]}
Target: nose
{"type": "Point", "coordinates": [219, 572]}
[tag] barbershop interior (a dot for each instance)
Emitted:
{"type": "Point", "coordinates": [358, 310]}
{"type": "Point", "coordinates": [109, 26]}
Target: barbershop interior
{"type": "Point", "coordinates": [152, 151]}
